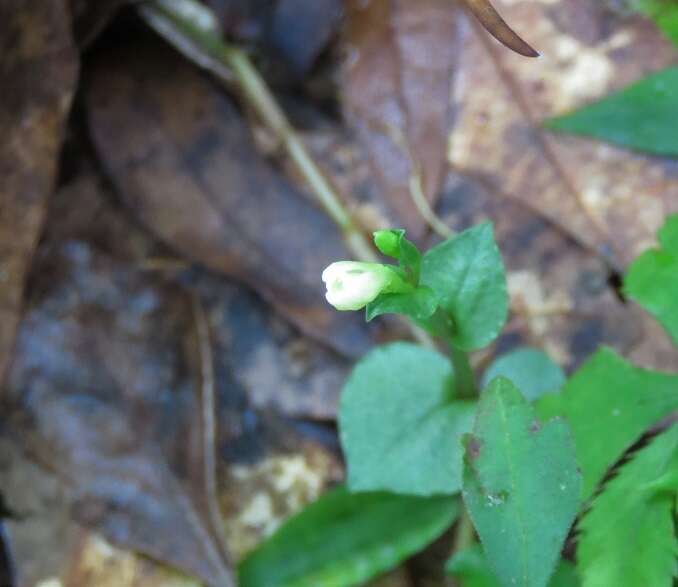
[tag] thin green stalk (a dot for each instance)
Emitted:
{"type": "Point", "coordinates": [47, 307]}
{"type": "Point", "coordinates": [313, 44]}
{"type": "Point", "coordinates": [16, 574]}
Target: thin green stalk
{"type": "Point", "coordinates": [463, 374]}
{"type": "Point", "coordinates": [465, 384]}
{"type": "Point", "coordinates": [258, 95]}
{"type": "Point", "coordinates": [198, 38]}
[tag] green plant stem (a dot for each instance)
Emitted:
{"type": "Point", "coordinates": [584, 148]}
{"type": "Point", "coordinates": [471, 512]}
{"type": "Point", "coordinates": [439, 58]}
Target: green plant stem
{"type": "Point", "coordinates": [232, 66]}
{"type": "Point", "coordinates": [441, 325]}
{"type": "Point", "coordinates": [258, 95]}
{"type": "Point", "coordinates": [463, 374]}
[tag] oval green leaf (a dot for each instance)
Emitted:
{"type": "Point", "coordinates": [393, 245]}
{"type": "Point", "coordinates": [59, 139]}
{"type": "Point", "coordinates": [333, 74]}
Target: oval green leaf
{"type": "Point", "coordinates": [344, 539]}
{"type": "Point", "coordinates": [400, 424]}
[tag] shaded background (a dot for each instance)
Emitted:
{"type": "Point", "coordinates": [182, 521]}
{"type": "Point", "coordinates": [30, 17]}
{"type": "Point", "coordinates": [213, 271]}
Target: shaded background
{"type": "Point", "coordinates": [159, 252]}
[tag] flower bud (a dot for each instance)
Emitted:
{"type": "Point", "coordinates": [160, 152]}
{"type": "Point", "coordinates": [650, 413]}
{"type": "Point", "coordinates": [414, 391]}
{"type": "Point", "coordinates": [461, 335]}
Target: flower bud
{"type": "Point", "coordinates": [352, 285]}
{"type": "Point", "coordinates": [388, 242]}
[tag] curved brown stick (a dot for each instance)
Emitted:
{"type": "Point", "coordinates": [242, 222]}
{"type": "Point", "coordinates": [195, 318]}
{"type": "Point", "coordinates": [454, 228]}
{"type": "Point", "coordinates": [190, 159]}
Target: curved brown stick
{"type": "Point", "coordinates": [497, 27]}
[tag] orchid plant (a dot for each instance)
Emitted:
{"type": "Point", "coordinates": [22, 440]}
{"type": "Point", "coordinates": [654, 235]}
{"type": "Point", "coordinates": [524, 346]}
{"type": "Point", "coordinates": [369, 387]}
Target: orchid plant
{"type": "Point", "coordinates": [515, 464]}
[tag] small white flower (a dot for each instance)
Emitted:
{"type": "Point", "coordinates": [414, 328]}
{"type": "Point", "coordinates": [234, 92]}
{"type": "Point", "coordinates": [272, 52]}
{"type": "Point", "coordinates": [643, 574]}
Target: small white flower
{"type": "Point", "coordinates": [352, 285]}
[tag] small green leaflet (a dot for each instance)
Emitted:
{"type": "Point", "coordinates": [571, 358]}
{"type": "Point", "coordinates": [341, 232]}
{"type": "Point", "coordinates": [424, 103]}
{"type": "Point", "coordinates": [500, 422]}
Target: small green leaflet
{"type": "Point", "coordinates": [521, 486]}
{"type": "Point", "coordinates": [664, 13]}
{"type": "Point", "coordinates": [472, 569]}
{"type": "Point", "coordinates": [532, 371]}
{"type": "Point", "coordinates": [467, 275]}
{"type": "Point", "coordinates": [344, 539]}
{"type": "Point", "coordinates": [400, 425]}
{"type": "Point", "coordinates": [641, 116]}
{"type": "Point", "coordinates": [652, 279]}
{"type": "Point", "coordinates": [393, 243]}
{"type": "Point", "coordinates": [419, 305]}
{"type": "Point", "coordinates": [628, 536]}
{"type": "Point", "coordinates": [610, 399]}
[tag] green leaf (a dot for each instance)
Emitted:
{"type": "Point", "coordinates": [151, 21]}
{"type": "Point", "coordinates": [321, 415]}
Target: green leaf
{"type": "Point", "coordinates": [652, 279]}
{"type": "Point", "coordinates": [467, 275]}
{"type": "Point", "coordinates": [393, 243]}
{"type": "Point", "coordinates": [664, 13]}
{"type": "Point", "coordinates": [609, 404]}
{"type": "Point", "coordinates": [628, 537]}
{"type": "Point", "coordinates": [521, 486]}
{"type": "Point", "coordinates": [532, 371]}
{"type": "Point", "coordinates": [345, 539]}
{"type": "Point", "coordinates": [419, 305]}
{"type": "Point", "coordinates": [400, 425]}
{"type": "Point", "coordinates": [471, 568]}
{"type": "Point", "coordinates": [668, 234]}
{"type": "Point", "coordinates": [641, 116]}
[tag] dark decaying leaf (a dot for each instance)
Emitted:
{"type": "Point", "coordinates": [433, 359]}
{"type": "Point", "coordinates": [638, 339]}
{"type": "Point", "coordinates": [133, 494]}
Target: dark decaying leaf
{"type": "Point", "coordinates": [275, 365]}
{"type": "Point", "coordinates": [91, 16]}
{"type": "Point", "coordinates": [134, 371]}
{"type": "Point", "coordinates": [295, 31]}
{"type": "Point", "coordinates": [104, 367]}
{"type": "Point", "coordinates": [38, 69]}
{"type": "Point", "coordinates": [183, 160]}
{"type": "Point", "coordinates": [267, 471]}
{"type": "Point", "coordinates": [400, 62]}
{"type": "Point", "coordinates": [301, 29]}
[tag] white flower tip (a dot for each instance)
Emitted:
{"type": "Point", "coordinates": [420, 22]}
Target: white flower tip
{"type": "Point", "coordinates": [352, 285]}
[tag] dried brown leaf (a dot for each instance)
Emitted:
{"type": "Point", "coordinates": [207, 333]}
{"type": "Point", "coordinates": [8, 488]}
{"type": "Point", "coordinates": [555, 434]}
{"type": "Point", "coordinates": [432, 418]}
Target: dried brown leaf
{"type": "Point", "coordinates": [401, 58]}
{"type": "Point", "coordinates": [268, 486]}
{"type": "Point", "coordinates": [104, 396]}
{"type": "Point", "coordinates": [38, 70]}
{"type": "Point", "coordinates": [276, 366]}
{"type": "Point", "coordinates": [183, 160]}
{"type": "Point", "coordinates": [607, 198]}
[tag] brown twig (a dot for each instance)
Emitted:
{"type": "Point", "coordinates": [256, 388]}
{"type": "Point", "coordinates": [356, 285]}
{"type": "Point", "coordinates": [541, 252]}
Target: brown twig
{"type": "Point", "coordinates": [208, 425]}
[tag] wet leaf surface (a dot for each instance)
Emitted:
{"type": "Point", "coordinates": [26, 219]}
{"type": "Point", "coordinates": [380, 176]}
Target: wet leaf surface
{"type": "Point", "coordinates": [398, 57]}
{"type": "Point", "coordinates": [38, 70]}
{"type": "Point", "coordinates": [276, 366]}
{"type": "Point", "coordinates": [104, 390]}
{"type": "Point", "coordinates": [281, 473]}
{"type": "Point", "coordinates": [292, 33]}
{"type": "Point", "coordinates": [192, 175]}
{"type": "Point", "coordinates": [95, 393]}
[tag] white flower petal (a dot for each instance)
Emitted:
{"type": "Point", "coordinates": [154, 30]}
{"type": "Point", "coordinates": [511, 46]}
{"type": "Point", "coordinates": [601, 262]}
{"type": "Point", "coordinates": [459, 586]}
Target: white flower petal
{"type": "Point", "coordinates": [352, 285]}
